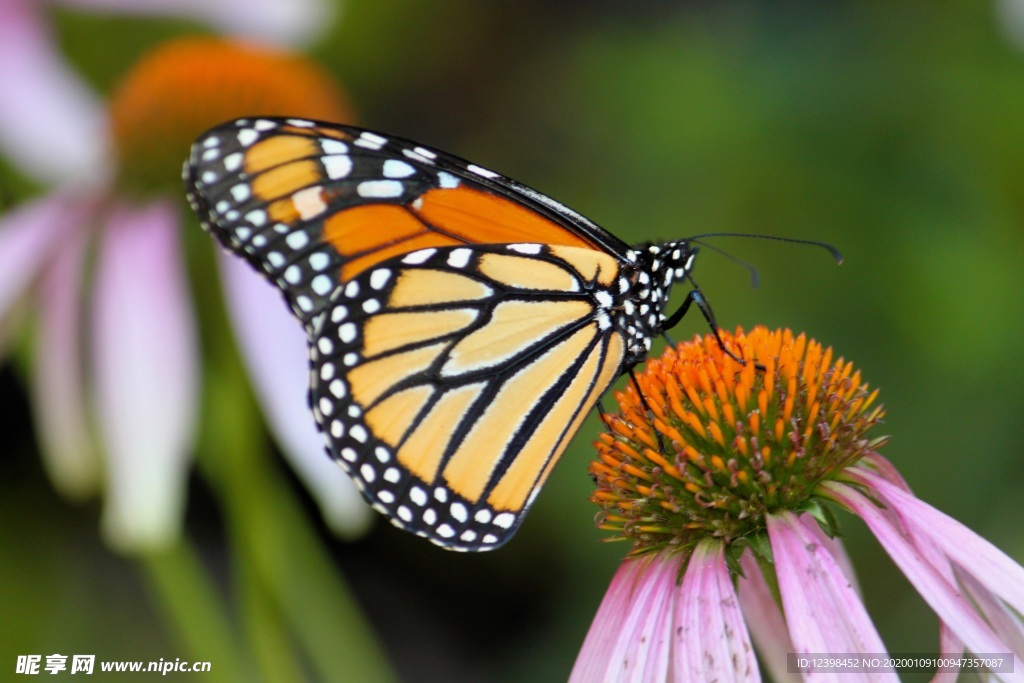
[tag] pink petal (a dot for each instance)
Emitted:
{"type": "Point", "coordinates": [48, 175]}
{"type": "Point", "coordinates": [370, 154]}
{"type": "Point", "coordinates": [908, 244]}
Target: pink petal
{"type": "Point", "coordinates": [823, 611]}
{"type": "Point", "coordinates": [982, 560]}
{"type": "Point", "coordinates": [51, 125]}
{"type": "Point", "coordinates": [835, 548]}
{"type": "Point", "coordinates": [274, 346]}
{"type": "Point", "coordinates": [949, 642]}
{"type": "Point", "coordinates": [626, 641]}
{"type": "Point", "coordinates": [281, 21]}
{"type": "Point", "coordinates": [1006, 624]}
{"type": "Point", "coordinates": [943, 597]}
{"type": "Point", "coordinates": [29, 236]}
{"type": "Point", "coordinates": [710, 640]}
{"type": "Point", "coordinates": [764, 619]}
{"type": "Point", "coordinates": [144, 347]}
{"type": "Point", "coordinates": [57, 392]}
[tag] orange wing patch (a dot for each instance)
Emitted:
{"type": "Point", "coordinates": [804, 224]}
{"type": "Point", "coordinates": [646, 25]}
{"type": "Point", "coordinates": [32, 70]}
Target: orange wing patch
{"type": "Point", "coordinates": [278, 150]}
{"type": "Point", "coordinates": [482, 218]}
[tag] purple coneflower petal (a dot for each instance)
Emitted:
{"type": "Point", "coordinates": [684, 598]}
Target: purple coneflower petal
{"type": "Point", "coordinates": [1006, 624]}
{"type": "Point", "coordinates": [767, 626]}
{"type": "Point", "coordinates": [51, 125]}
{"type": "Point", "coordinates": [823, 611]}
{"type": "Point", "coordinates": [57, 388]}
{"type": "Point", "coordinates": [29, 236]}
{"type": "Point", "coordinates": [145, 354]}
{"type": "Point", "coordinates": [949, 643]}
{"type": "Point", "coordinates": [963, 547]}
{"type": "Point", "coordinates": [274, 347]}
{"type": "Point", "coordinates": [764, 619]}
{"type": "Point", "coordinates": [633, 623]}
{"type": "Point", "coordinates": [280, 21]}
{"type": "Point", "coordinates": [941, 595]}
{"type": "Point", "coordinates": [710, 640]}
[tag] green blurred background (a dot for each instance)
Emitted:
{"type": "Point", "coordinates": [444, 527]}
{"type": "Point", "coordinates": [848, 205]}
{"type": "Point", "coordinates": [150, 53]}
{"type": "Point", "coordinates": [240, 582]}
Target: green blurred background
{"type": "Point", "coordinates": [892, 130]}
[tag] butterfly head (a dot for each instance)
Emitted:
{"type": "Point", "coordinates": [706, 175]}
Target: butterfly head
{"type": "Point", "coordinates": [653, 269]}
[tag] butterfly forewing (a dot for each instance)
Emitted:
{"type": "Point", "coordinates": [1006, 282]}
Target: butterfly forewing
{"type": "Point", "coordinates": [313, 205]}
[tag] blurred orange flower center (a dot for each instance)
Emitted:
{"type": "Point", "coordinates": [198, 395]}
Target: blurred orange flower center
{"type": "Point", "coordinates": [185, 86]}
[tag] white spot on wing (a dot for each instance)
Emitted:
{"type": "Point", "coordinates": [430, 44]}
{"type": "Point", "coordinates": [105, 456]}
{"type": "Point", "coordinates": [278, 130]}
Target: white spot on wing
{"type": "Point", "coordinates": [319, 260]}
{"type": "Point", "coordinates": [309, 202]}
{"type": "Point", "coordinates": [379, 278]}
{"type": "Point", "coordinates": [480, 171]}
{"type": "Point", "coordinates": [379, 189]}
{"type": "Point", "coordinates": [505, 520]}
{"type": "Point", "coordinates": [459, 258]}
{"type": "Point", "coordinates": [337, 166]}
{"type": "Point", "coordinates": [330, 146]}
{"type": "Point", "coordinates": [396, 168]}
{"type": "Point", "coordinates": [297, 240]}
{"type": "Point", "coordinates": [322, 285]}
{"type": "Point", "coordinates": [418, 257]}
{"type": "Point", "coordinates": [240, 192]}
{"type": "Point", "coordinates": [370, 140]}
{"type": "Point", "coordinates": [531, 249]}
{"type": "Point", "coordinates": [247, 136]}
{"type": "Point", "coordinates": [447, 181]}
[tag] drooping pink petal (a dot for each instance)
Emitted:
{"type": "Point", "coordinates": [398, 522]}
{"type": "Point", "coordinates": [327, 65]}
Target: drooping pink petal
{"type": "Point", "coordinates": [281, 21]}
{"type": "Point", "coordinates": [1004, 622]}
{"type": "Point", "coordinates": [823, 611]}
{"type": "Point", "coordinates": [51, 125]}
{"type": "Point", "coordinates": [949, 643]}
{"type": "Point", "coordinates": [989, 565]}
{"type": "Point", "coordinates": [29, 236]}
{"type": "Point", "coordinates": [274, 345]}
{"type": "Point", "coordinates": [710, 641]}
{"type": "Point", "coordinates": [943, 597]}
{"type": "Point", "coordinates": [764, 621]}
{"type": "Point", "coordinates": [58, 396]}
{"type": "Point", "coordinates": [626, 641]}
{"type": "Point", "coordinates": [144, 346]}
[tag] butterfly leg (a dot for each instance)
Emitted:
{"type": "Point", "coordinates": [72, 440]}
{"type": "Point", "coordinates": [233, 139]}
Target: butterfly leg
{"type": "Point", "coordinates": [695, 296]}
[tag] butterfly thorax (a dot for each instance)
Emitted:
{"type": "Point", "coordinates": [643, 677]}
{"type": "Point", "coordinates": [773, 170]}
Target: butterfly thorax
{"type": "Point", "coordinates": [648, 278]}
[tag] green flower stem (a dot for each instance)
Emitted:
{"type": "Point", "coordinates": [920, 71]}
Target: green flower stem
{"type": "Point", "coordinates": [271, 645]}
{"type": "Point", "coordinates": [272, 534]}
{"type": "Point", "coordinates": [191, 605]}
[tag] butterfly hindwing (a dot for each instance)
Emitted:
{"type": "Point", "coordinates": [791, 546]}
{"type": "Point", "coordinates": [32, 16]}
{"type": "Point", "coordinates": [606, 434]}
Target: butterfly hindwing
{"type": "Point", "coordinates": [449, 380]}
{"type": "Point", "coordinates": [311, 205]}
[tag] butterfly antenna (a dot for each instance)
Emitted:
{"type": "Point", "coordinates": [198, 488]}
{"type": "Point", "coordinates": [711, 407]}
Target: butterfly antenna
{"type": "Point", "coordinates": [755, 277]}
{"type": "Point", "coordinates": [792, 240]}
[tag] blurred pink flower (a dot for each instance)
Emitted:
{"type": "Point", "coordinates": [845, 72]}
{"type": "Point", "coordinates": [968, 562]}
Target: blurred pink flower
{"type": "Point", "coordinates": [103, 271]}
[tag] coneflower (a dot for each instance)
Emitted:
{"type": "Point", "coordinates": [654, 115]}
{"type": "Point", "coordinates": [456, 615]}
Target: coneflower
{"type": "Point", "coordinates": [723, 478]}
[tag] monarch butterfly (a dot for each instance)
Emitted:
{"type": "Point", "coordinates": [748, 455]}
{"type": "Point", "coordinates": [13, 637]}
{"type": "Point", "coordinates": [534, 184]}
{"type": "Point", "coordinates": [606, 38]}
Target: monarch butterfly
{"type": "Point", "coordinates": [461, 325]}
